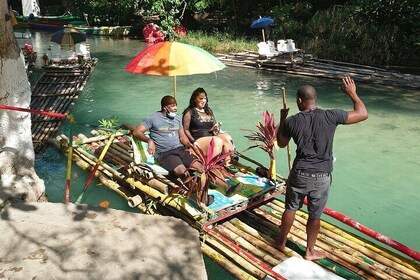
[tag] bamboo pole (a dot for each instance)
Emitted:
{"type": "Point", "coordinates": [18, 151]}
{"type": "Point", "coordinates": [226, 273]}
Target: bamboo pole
{"type": "Point", "coordinates": [244, 263]}
{"type": "Point", "coordinates": [289, 160]}
{"type": "Point", "coordinates": [69, 161]}
{"type": "Point", "coordinates": [337, 256]}
{"type": "Point", "coordinates": [370, 246]}
{"type": "Point", "coordinates": [175, 87]}
{"type": "Point", "coordinates": [87, 165]}
{"type": "Point", "coordinates": [278, 255]}
{"type": "Point", "coordinates": [259, 237]}
{"type": "Point", "coordinates": [258, 258]}
{"type": "Point", "coordinates": [221, 260]}
{"type": "Point", "coordinates": [389, 261]}
{"type": "Point", "coordinates": [87, 183]}
{"type": "Point", "coordinates": [325, 243]}
{"type": "Point", "coordinates": [243, 243]}
{"type": "Point", "coordinates": [257, 220]}
{"type": "Point", "coordinates": [174, 200]}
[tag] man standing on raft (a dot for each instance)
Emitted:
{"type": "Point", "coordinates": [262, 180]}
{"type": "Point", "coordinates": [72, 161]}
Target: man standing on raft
{"type": "Point", "coordinates": [312, 129]}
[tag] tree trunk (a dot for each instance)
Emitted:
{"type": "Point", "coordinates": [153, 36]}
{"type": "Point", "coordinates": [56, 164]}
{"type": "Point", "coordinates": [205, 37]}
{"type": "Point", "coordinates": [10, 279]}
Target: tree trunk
{"type": "Point", "coordinates": [17, 175]}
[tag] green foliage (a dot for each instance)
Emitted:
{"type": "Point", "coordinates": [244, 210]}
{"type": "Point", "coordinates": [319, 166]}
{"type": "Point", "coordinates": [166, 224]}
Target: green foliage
{"type": "Point", "coordinates": [219, 43]}
{"type": "Point", "coordinates": [108, 126]}
{"type": "Point", "coordinates": [168, 11]}
{"type": "Point", "coordinates": [349, 34]}
{"type": "Point", "coordinates": [212, 170]}
{"type": "Point", "coordinates": [265, 137]}
{"type": "Point", "coordinates": [101, 12]}
{"type": "Point", "coordinates": [374, 32]}
{"type": "Point", "coordinates": [110, 123]}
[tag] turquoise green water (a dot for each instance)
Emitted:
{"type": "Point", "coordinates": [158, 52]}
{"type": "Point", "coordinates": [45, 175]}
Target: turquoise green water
{"type": "Point", "coordinates": [376, 176]}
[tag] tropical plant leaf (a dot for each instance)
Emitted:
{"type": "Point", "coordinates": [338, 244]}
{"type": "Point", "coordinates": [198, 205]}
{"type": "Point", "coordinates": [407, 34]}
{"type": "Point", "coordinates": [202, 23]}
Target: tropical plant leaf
{"type": "Point", "coordinates": [265, 137]}
{"type": "Point", "coordinates": [212, 170]}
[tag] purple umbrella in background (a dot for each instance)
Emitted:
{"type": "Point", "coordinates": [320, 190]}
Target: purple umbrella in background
{"type": "Point", "coordinates": [262, 23]}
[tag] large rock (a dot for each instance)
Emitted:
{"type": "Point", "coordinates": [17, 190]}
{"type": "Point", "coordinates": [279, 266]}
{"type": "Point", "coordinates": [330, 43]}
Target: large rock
{"type": "Point", "coordinates": [55, 241]}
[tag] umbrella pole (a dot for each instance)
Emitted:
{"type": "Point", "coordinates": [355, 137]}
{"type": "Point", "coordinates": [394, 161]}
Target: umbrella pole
{"type": "Point", "coordinates": [289, 157]}
{"type": "Point", "coordinates": [263, 34]}
{"type": "Point", "coordinates": [175, 87]}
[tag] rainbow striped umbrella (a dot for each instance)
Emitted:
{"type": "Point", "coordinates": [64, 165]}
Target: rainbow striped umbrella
{"type": "Point", "coordinates": [174, 59]}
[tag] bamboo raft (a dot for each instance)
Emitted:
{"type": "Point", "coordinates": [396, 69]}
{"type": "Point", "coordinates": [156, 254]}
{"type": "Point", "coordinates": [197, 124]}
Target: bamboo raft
{"type": "Point", "coordinates": [242, 237]}
{"type": "Point", "coordinates": [322, 68]}
{"type": "Point", "coordinates": [56, 90]}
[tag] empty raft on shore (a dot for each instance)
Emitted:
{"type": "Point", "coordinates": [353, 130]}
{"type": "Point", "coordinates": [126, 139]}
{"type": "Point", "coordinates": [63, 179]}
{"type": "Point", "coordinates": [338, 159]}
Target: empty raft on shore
{"type": "Point", "coordinates": [239, 231]}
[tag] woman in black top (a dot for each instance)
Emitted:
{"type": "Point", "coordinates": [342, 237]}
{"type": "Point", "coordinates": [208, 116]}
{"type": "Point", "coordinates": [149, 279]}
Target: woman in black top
{"type": "Point", "coordinates": [201, 126]}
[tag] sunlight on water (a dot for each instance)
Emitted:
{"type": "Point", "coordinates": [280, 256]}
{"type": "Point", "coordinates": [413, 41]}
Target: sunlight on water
{"type": "Point", "coordinates": [376, 173]}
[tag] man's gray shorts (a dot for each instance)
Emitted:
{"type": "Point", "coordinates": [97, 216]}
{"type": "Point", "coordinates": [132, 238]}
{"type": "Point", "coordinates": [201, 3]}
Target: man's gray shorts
{"type": "Point", "coordinates": [314, 186]}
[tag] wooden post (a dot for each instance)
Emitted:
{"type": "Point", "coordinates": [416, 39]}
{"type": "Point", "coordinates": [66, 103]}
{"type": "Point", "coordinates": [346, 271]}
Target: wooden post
{"type": "Point", "coordinates": [289, 160]}
{"type": "Point", "coordinates": [175, 87]}
{"type": "Point", "coordinates": [69, 161]}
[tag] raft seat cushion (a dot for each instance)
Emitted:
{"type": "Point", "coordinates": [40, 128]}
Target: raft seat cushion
{"type": "Point", "coordinates": [267, 49]}
{"type": "Point", "coordinates": [147, 158]}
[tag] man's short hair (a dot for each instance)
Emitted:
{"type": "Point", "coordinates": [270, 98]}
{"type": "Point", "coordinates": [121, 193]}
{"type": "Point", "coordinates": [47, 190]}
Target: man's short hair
{"type": "Point", "coordinates": [306, 92]}
{"type": "Point", "coordinates": [167, 100]}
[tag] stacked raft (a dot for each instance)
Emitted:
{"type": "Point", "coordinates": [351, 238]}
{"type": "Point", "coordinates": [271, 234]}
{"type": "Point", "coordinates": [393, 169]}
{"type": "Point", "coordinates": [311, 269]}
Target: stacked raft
{"type": "Point", "coordinates": [308, 66]}
{"type": "Point", "coordinates": [57, 90]}
{"type": "Point", "coordinates": [239, 234]}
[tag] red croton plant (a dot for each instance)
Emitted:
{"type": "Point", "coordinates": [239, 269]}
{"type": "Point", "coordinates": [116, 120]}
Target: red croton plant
{"type": "Point", "coordinates": [265, 139]}
{"type": "Point", "coordinates": [212, 171]}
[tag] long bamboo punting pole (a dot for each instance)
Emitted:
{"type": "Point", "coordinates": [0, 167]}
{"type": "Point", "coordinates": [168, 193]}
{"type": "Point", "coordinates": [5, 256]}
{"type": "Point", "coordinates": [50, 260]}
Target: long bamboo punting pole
{"type": "Point", "coordinates": [289, 159]}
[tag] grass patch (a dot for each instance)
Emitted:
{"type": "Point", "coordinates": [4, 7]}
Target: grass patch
{"type": "Point", "coordinates": [219, 43]}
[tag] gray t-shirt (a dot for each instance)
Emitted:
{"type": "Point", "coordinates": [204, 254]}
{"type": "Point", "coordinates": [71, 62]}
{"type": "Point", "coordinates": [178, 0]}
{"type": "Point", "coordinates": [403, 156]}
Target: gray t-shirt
{"type": "Point", "coordinates": [163, 131]}
{"type": "Point", "coordinates": [313, 132]}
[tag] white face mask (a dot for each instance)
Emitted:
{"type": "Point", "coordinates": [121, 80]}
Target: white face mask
{"type": "Point", "coordinates": [170, 114]}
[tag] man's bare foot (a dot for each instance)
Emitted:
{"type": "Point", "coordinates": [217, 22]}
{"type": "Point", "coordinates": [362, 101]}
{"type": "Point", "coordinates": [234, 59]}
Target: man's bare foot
{"type": "Point", "coordinates": [316, 255]}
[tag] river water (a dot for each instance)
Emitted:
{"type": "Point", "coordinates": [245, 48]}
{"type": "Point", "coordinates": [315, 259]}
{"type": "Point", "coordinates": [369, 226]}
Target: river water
{"type": "Point", "coordinates": [376, 176]}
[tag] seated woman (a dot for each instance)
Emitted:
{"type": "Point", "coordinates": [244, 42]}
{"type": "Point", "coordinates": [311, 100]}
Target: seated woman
{"type": "Point", "coordinates": [201, 127]}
